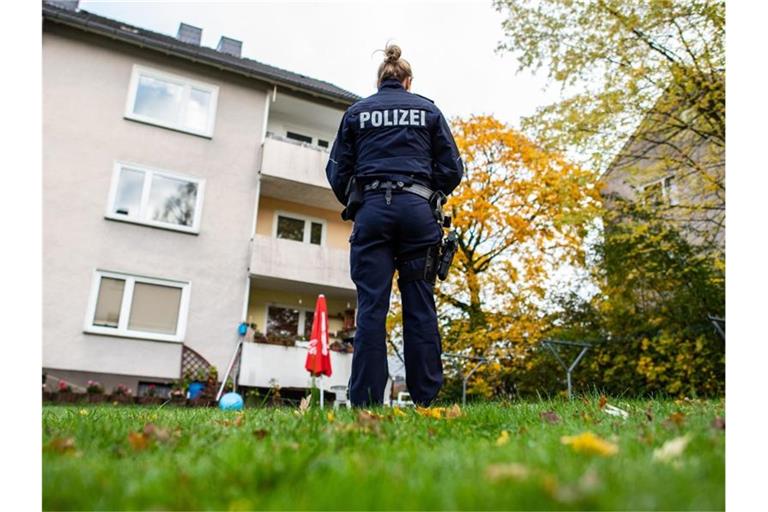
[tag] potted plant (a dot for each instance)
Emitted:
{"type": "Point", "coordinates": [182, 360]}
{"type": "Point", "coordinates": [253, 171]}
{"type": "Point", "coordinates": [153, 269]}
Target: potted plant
{"type": "Point", "coordinates": [65, 393]}
{"type": "Point", "coordinates": [95, 392]}
{"type": "Point", "coordinates": [122, 394]}
{"type": "Point", "coordinates": [206, 396]}
{"type": "Point", "coordinates": [178, 393]}
{"type": "Point", "coordinates": [150, 396]}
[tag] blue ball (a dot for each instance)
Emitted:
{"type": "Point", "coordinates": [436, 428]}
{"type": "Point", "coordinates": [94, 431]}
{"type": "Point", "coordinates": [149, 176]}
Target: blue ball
{"type": "Point", "coordinates": [231, 402]}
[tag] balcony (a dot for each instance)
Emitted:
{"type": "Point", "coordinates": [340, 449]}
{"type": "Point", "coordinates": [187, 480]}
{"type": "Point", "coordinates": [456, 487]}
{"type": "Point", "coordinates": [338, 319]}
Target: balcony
{"type": "Point", "coordinates": [264, 365]}
{"type": "Point", "coordinates": [295, 266]}
{"type": "Point", "coordinates": [295, 172]}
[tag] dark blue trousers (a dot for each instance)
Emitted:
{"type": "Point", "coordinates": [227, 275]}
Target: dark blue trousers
{"type": "Point", "coordinates": [385, 238]}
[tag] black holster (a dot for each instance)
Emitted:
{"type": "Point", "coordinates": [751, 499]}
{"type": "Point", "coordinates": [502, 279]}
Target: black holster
{"type": "Point", "coordinates": [354, 193]}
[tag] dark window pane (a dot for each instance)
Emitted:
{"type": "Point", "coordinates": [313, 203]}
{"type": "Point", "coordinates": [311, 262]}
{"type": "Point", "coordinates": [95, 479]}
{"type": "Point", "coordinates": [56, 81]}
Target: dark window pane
{"type": "Point", "coordinates": [290, 229]}
{"type": "Point", "coordinates": [282, 321]}
{"type": "Point", "coordinates": [299, 137]}
{"type": "Point", "coordinates": [316, 235]}
{"type": "Point", "coordinates": [308, 319]}
{"type": "Point", "coordinates": [322, 143]}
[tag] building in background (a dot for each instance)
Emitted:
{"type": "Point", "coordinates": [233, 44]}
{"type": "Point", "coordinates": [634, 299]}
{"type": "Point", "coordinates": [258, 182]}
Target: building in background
{"type": "Point", "coordinates": [184, 193]}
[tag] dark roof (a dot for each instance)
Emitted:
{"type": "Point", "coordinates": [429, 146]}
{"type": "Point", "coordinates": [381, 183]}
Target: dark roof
{"type": "Point", "coordinates": [96, 24]}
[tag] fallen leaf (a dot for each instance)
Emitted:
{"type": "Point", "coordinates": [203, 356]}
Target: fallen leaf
{"type": "Point", "coordinates": [718, 423]}
{"type": "Point", "coordinates": [83, 412]}
{"type": "Point", "coordinates": [330, 417]}
{"type": "Point", "coordinates": [550, 417]}
{"type": "Point", "coordinates": [396, 411]}
{"type": "Point", "coordinates": [239, 420]}
{"type": "Point", "coordinates": [260, 433]}
{"type": "Point", "coordinates": [304, 404]}
{"type": "Point", "coordinates": [430, 412]}
{"type": "Point", "coordinates": [453, 412]}
{"type": "Point", "coordinates": [503, 438]}
{"type": "Point", "coordinates": [672, 449]}
{"type": "Point", "coordinates": [367, 418]}
{"type": "Point", "coordinates": [589, 443]}
{"type": "Point", "coordinates": [676, 419]}
{"type": "Point", "coordinates": [510, 470]}
{"type": "Point", "coordinates": [602, 402]}
{"type": "Point", "coordinates": [138, 441]}
{"type": "Point", "coordinates": [62, 444]}
{"type": "Point", "coordinates": [615, 411]}
{"type": "Point", "coordinates": [152, 431]}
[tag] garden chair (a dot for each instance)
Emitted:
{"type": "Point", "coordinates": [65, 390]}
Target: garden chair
{"type": "Point", "coordinates": [341, 396]}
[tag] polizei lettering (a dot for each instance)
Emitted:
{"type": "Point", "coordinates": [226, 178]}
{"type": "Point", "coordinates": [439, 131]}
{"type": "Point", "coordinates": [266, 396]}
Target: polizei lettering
{"type": "Point", "coordinates": [393, 117]}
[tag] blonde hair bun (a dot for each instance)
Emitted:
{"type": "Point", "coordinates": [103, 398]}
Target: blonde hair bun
{"type": "Point", "coordinates": [393, 53]}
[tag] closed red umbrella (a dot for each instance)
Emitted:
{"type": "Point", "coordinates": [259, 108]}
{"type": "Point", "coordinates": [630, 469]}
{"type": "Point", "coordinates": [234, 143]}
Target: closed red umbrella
{"type": "Point", "coordinates": [318, 361]}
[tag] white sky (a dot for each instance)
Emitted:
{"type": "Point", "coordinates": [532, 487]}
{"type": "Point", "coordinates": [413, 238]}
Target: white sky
{"type": "Point", "coordinates": [449, 44]}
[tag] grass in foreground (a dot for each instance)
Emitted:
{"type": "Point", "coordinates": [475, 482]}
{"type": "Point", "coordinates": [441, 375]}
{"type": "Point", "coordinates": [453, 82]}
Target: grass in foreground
{"type": "Point", "coordinates": [492, 456]}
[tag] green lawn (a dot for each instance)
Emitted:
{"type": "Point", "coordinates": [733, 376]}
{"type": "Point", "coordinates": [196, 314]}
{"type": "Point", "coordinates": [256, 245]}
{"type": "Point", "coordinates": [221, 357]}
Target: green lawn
{"type": "Point", "coordinates": [111, 457]}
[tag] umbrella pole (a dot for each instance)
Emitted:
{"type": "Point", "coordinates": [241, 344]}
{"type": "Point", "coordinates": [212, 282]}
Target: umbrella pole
{"type": "Point", "coordinates": [321, 391]}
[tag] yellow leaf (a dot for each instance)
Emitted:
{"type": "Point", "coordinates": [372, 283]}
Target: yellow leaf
{"type": "Point", "coordinates": [589, 443]}
{"type": "Point", "coordinates": [396, 411]}
{"type": "Point", "coordinates": [503, 438]}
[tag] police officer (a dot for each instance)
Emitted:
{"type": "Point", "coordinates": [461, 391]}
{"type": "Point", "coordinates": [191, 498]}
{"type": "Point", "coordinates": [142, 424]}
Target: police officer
{"type": "Point", "coordinates": [396, 151]}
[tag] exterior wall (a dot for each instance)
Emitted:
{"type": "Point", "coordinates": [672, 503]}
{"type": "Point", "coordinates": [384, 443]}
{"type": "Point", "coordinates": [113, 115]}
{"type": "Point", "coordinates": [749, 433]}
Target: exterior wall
{"type": "Point", "coordinates": [338, 231]}
{"type": "Point", "coordinates": [85, 84]}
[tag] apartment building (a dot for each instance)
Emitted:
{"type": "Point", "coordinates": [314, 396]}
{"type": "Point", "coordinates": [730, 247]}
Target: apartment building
{"type": "Point", "coordinates": [677, 169]}
{"type": "Point", "coordinates": [184, 193]}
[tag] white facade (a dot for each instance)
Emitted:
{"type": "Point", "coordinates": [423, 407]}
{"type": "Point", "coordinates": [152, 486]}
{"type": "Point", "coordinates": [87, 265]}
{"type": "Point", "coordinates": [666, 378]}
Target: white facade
{"type": "Point", "coordinates": [128, 280]}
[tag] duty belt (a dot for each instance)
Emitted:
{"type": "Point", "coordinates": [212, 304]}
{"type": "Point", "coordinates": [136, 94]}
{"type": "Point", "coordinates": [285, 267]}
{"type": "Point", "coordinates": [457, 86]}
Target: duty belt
{"type": "Point", "coordinates": [389, 186]}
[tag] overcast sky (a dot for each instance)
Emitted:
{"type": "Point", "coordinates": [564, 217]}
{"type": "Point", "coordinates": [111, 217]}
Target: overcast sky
{"type": "Point", "coordinates": [449, 44]}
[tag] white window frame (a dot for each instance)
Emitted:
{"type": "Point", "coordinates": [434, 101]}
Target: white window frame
{"type": "Point", "coordinates": [122, 329]}
{"type": "Point", "coordinates": [668, 194]}
{"type": "Point", "coordinates": [149, 174]}
{"type": "Point", "coordinates": [185, 82]}
{"type": "Point", "coordinates": [302, 316]}
{"type": "Point", "coordinates": [307, 227]}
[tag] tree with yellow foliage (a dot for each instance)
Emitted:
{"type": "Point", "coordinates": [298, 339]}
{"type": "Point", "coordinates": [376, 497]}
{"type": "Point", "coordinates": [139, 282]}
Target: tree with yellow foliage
{"type": "Point", "coordinates": [521, 213]}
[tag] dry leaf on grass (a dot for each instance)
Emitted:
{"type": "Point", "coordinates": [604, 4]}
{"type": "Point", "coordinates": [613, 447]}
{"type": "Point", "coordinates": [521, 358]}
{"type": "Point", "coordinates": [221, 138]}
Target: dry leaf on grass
{"type": "Point", "coordinates": [138, 441]}
{"type": "Point", "coordinates": [676, 419]}
{"type": "Point", "coordinates": [510, 470]}
{"type": "Point", "coordinates": [330, 416]}
{"type": "Point", "coordinates": [602, 401]}
{"type": "Point", "coordinates": [550, 417]}
{"type": "Point", "coordinates": [62, 444]}
{"type": "Point", "coordinates": [453, 412]}
{"type": "Point", "coordinates": [672, 449]}
{"type": "Point", "coordinates": [396, 411]}
{"type": "Point", "coordinates": [260, 433]}
{"type": "Point", "coordinates": [304, 405]}
{"type": "Point", "coordinates": [589, 443]}
{"type": "Point", "coordinates": [649, 414]}
{"type": "Point", "coordinates": [503, 438]}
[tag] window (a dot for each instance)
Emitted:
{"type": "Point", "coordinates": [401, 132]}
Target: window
{"type": "Point", "coordinates": [289, 322]}
{"type": "Point", "coordinates": [299, 228]}
{"type": "Point", "coordinates": [299, 137]}
{"type": "Point", "coordinates": [137, 307]}
{"type": "Point", "coordinates": [171, 101]}
{"type": "Point", "coordinates": [322, 143]}
{"type": "Point", "coordinates": [661, 192]}
{"type": "Point", "coordinates": [156, 198]}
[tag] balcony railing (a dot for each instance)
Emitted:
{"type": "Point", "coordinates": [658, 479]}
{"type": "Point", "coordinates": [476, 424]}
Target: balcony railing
{"type": "Point", "coordinates": [265, 365]}
{"type": "Point", "coordinates": [294, 161]}
{"type": "Point", "coordinates": [275, 258]}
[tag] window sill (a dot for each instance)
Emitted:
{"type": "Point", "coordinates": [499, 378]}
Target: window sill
{"type": "Point", "coordinates": [152, 122]}
{"type": "Point", "coordinates": [106, 331]}
{"type": "Point", "coordinates": [158, 225]}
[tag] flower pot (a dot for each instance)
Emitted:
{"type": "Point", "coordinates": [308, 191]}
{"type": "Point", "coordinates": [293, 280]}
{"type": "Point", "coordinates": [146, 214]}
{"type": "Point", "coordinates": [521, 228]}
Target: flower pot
{"type": "Point", "coordinates": [178, 400]}
{"type": "Point", "coordinates": [150, 400]}
{"type": "Point", "coordinates": [66, 397]}
{"type": "Point", "coordinates": [96, 398]}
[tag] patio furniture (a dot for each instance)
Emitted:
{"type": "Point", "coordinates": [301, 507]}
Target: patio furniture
{"type": "Point", "coordinates": [341, 396]}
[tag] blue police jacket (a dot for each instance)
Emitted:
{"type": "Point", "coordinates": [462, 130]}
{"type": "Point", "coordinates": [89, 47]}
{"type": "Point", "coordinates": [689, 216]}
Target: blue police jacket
{"type": "Point", "coordinates": [394, 133]}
